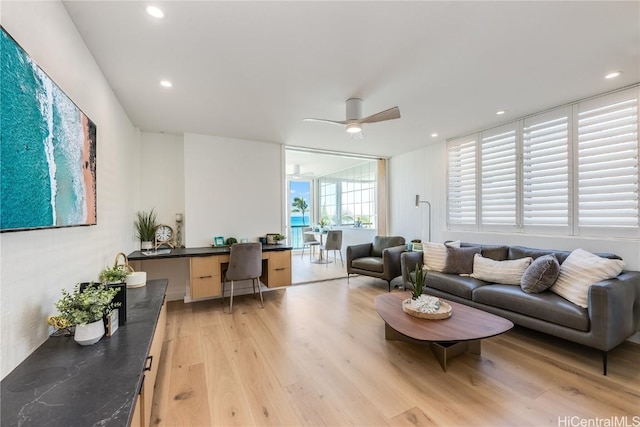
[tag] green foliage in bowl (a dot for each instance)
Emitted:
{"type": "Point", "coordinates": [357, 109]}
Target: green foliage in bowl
{"type": "Point", "coordinates": [230, 241]}
{"type": "Point", "coordinates": [113, 275]}
{"type": "Point", "coordinates": [86, 306]}
{"type": "Point", "coordinates": [418, 281]}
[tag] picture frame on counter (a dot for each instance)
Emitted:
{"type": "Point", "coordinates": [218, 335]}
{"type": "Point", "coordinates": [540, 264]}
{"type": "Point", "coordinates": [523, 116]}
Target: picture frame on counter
{"type": "Point", "coordinates": [218, 241]}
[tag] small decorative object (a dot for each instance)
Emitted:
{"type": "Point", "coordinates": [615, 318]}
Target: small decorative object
{"type": "Point", "coordinates": [417, 247]}
{"type": "Point", "coordinates": [230, 241]}
{"type": "Point", "coordinates": [164, 236]}
{"type": "Point", "coordinates": [278, 238]}
{"type": "Point", "coordinates": [418, 282]}
{"type": "Point", "coordinates": [179, 223]}
{"type": "Point", "coordinates": [112, 323]}
{"type": "Point", "coordinates": [86, 309]}
{"type": "Point", "coordinates": [271, 238]}
{"type": "Point", "coordinates": [218, 241]}
{"type": "Point", "coordinates": [244, 240]}
{"type": "Point", "coordinates": [323, 222]}
{"type": "Point", "coordinates": [145, 224]}
{"type": "Point", "coordinates": [426, 307]}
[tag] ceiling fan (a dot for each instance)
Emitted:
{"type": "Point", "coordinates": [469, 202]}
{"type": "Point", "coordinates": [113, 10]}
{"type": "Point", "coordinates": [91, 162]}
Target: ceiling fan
{"type": "Point", "coordinates": [353, 123]}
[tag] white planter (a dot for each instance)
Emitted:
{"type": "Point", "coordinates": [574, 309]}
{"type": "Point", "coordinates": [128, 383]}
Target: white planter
{"type": "Point", "coordinates": [90, 333]}
{"type": "Point", "coordinates": [145, 246]}
{"type": "Point", "coordinates": [136, 279]}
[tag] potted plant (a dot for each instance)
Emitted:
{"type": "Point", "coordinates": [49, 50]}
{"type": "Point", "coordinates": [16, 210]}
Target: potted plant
{"type": "Point", "coordinates": [417, 280]}
{"type": "Point", "coordinates": [85, 307]}
{"type": "Point", "coordinates": [113, 275]}
{"type": "Point", "coordinates": [279, 238]}
{"type": "Point", "coordinates": [146, 225]}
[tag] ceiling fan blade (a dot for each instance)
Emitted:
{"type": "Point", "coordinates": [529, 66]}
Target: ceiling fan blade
{"type": "Point", "coordinates": [335, 122]}
{"type": "Point", "coordinates": [390, 114]}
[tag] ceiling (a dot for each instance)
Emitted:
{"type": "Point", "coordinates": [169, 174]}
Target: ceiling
{"type": "Point", "coordinates": [254, 70]}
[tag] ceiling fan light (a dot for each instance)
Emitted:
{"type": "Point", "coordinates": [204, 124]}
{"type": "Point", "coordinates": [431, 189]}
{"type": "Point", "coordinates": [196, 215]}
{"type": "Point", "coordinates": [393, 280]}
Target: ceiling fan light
{"type": "Point", "coordinates": [354, 128]}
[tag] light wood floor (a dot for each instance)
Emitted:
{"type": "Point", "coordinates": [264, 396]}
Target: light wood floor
{"type": "Point", "coordinates": [316, 355]}
{"type": "Point", "coordinates": [305, 271]}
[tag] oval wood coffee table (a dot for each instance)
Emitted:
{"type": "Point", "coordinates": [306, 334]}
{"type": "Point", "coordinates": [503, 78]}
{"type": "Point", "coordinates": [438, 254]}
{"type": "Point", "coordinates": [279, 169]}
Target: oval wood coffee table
{"type": "Point", "coordinates": [447, 338]}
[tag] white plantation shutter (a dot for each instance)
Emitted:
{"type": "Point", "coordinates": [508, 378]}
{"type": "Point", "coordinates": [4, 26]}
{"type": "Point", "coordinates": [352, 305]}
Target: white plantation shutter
{"type": "Point", "coordinates": [461, 193]}
{"type": "Point", "coordinates": [608, 164]}
{"type": "Point", "coordinates": [545, 171]}
{"type": "Point", "coordinates": [498, 178]}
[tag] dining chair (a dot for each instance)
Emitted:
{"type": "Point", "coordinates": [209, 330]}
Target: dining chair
{"type": "Point", "coordinates": [333, 243]}
{"type": "Point", "coordinates": [308, 239]}
{"type": "Point", "coordinates": [245, 262]}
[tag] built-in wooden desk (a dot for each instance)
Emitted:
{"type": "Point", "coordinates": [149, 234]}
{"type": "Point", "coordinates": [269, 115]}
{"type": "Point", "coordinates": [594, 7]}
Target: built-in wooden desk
{"type": "Point", "coordinates": [207, 264]}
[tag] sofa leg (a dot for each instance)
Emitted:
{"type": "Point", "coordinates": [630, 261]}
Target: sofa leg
{"type": "Point", "coordinates": [604, 362]}
{"type": "Point", "coordinates": [389, 283]}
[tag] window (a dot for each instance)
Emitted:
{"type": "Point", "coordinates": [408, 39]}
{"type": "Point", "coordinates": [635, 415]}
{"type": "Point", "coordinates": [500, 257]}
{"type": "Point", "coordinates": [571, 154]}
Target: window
{"type": "Point", "coordinates": [498, 178]}
{"type": "Point", "coordinates": [546, 171]}
{"type": "Point", "coordinates": [349, 197]}
{"type": "Point", "coordinates": [570, 170]}
{"type": "Point", "coordinates": [461, 202]}
{"type": "Point", "coordinates": [608, 164]}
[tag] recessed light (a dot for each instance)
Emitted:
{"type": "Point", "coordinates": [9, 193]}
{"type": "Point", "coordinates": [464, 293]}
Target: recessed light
{"type": "Point", "coordinates": [433, 135]}
{"type": "Point", "coordinates": [613, 75]}
{"type": "Point", "coordinates": [501, 112]}
{"type": "Point", "coordinates": [155, 12]}
{"type": "Point", "coordinates": [166, 83]}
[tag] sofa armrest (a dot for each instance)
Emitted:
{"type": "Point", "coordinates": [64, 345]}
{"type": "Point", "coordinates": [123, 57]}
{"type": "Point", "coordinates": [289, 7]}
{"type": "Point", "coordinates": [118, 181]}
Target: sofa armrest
{"type": "Point", "coordinates": [408, 262]}
{"type": "Point", "coordinates": [614, 309]}
{"type": "Point", "coordinates": [391, 261]}
{"type": "Point", "coordinates": [357, 251]}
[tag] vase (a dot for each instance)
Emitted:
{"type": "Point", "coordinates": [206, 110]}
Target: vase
{"type": "Point", "coordinates": [90, 333]}
{"type": "Point", "coordinates": [145, 246]}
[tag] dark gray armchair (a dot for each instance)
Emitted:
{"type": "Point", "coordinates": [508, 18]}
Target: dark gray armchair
{"type": "Point", "coordinates": [379, 259]}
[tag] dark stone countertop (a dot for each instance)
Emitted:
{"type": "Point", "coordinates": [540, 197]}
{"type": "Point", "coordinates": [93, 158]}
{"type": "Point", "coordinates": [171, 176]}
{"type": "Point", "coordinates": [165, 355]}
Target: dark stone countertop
{"type": "Point", "coordinates": [195, 252]}
{"type": "Point", "coordinates": [65, 384]}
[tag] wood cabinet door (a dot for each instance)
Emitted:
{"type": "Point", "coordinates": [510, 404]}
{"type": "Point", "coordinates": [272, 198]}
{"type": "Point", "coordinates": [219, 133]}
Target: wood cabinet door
{"type": "Point", "coordinates": [279, 269]}
{"type": "Point", "coordinates": [205, 277]}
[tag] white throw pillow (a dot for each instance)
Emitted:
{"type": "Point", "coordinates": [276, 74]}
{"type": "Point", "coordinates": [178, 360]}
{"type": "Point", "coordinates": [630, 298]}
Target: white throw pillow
{"type": "Point", "coordinates": [579, 271]}
{"type": "Point", "coordinates": [435, 254]}
{"type": "Point", "coordinates": [507, 272]}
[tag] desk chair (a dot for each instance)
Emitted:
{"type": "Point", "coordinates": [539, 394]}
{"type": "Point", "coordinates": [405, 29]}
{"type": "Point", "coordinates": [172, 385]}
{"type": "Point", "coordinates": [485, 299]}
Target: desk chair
{"type": "Point", "coordinates": [308, 240]}
{"type": "Point", "coordinates": [245, 262]}
{"type": "Point", "coordinates": [333, 243]}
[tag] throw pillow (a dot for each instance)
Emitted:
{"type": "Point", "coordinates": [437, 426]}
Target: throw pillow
{"type": "Point", "coordinates": [579, 271]}
{"type": "Point", "coordinates": [508, 272]}
{"type": "Point", "coordinates": [459, 260]}
{"type": "Point", "coordinates": [435, 254]}
{"type": "Point", "coordinates": [541, 274]}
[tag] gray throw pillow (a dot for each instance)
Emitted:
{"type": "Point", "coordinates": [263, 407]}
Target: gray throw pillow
{"type": "Point", "coordinates": [541, 274]}
{"type": "Point", "coordinates": [460, 260]}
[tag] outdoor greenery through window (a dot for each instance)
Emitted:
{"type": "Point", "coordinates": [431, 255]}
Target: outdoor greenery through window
{"type": "Point", "coordinates": [348, 197]}
{"type": "Point", "coordinates": [572, 170]}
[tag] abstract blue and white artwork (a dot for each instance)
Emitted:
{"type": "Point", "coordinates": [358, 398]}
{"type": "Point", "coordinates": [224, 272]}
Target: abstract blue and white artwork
{"type": "Point", "coordinates": [47, 149]}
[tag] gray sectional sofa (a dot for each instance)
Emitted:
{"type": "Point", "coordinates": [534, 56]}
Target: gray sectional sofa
{"type": "Point", "coordinates": [612, 315]}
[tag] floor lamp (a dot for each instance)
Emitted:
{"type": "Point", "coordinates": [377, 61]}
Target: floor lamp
{"type": "Point", "coordinates": [418, 201]}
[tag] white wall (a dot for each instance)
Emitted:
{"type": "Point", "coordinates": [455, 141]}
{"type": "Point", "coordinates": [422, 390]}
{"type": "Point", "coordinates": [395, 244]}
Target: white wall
{"type": "Point", "coordinates": [36, 265]}
{"type": "Point", "coordinates": [233, 188]}
{"type": "Point", "coordinates": [424, 172]}
{"type": "Point", "coordinates": [162, 176]}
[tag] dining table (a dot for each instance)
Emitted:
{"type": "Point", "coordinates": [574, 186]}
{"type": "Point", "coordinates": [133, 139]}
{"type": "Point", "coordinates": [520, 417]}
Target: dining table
{"type": "Point", "coordinates": [319, 233]}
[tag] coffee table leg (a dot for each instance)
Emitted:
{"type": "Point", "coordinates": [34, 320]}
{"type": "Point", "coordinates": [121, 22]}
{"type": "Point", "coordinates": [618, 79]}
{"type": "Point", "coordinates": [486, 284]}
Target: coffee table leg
{"type": "Point", "coordinates": [446, 351]}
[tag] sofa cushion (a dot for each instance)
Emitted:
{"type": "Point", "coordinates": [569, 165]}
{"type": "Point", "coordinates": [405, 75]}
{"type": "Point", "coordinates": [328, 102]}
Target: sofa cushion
{"type": "Point", "coordinates": [541, 274]}
{"type": "Point", "coordinates": [508, 272]}
{"type": "Point", "coordinates": [579, 271]}
{"type": "Point", "coordinates": [461, 286]}
{"type": "Point", "coordinates": [516, 252]}
{"type": "Point", "coordinates": [435, 254]}
{"type": "Point", "coordinates": [381, 243]}
{"type": "Point", "coordinates": [546, 305]}
{"type": "Point", "coordinates": [459, 260]}
{"type": "Point", "coordinates": [369, 263]}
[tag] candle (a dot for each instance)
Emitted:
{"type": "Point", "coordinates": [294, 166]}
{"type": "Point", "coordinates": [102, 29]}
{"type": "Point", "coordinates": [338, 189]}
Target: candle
{"type": "Point", "coordinates": [179, 217]}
